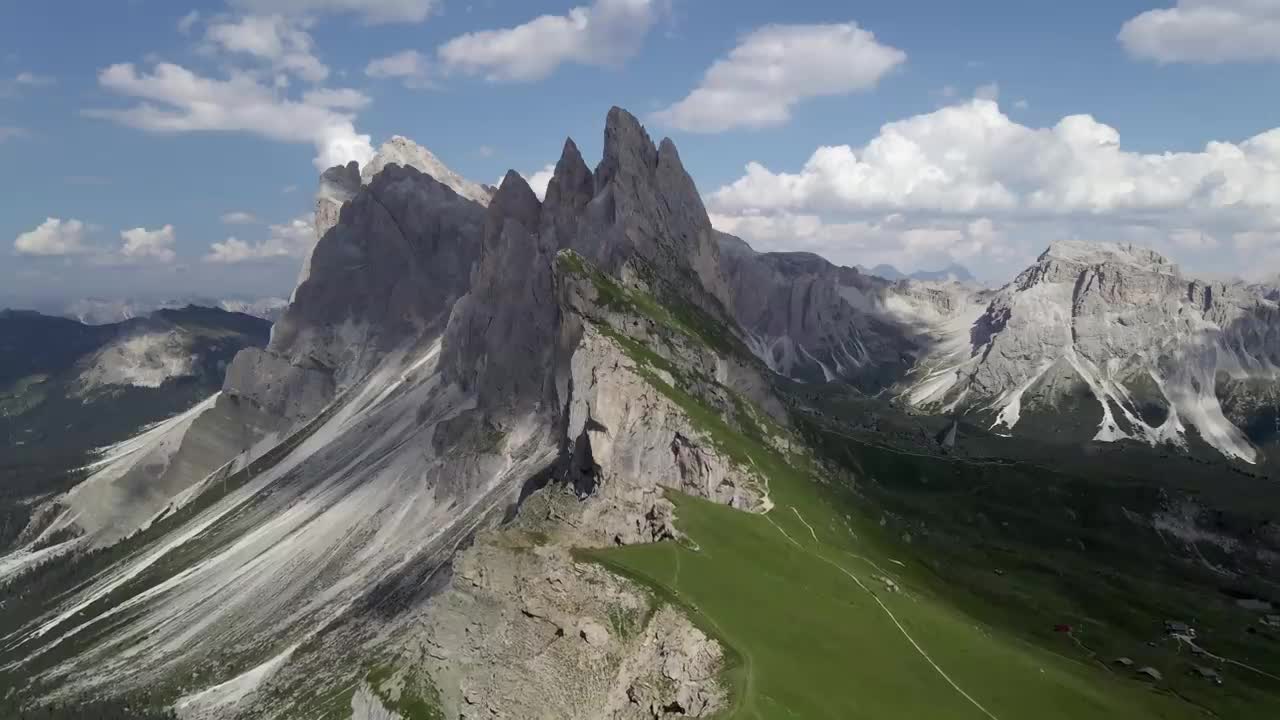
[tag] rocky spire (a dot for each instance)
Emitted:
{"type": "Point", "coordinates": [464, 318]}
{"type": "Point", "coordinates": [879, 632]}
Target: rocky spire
{"type": "Point", "coordinates": [501, 335]}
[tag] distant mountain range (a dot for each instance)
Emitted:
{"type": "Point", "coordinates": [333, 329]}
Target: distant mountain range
{"type": "Point", "coordinates": [951, 273]}
{"type": "Point", "coordinates": [104, 311]}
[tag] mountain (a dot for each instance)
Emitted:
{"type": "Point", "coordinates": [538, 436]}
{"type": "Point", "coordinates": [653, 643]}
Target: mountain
{"type": "Point", "coordinates": [814, 321]}
{"type": "Point", "coordinates": [888, 272]}
{"type": "Point", "coordinates": [586, 457]}
{"type": "Point", "coordinates": [951, 273]}
{"type": "Point", "coordinates": [1111, 342]}
{"type": "Point", "coordinates": [101, 311]}
{"type": "Point", "coordinates": [67, 387]}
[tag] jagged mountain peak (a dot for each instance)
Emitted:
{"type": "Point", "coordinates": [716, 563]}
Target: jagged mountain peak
{"type": "Point", "coordinates": [626, 144]}
{"type": "Point", "coordinates": [516, 200]}
{"type": "Point", "coordinates": [400, 150]}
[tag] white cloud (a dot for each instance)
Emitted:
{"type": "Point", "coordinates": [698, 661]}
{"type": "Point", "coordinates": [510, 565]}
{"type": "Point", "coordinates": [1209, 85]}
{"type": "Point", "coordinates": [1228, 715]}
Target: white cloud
{"type": "Point", "coordinates": [1206, 31]}
{"type": "Point", "coordinates": [188, 21]}
{"type": "Point", "coordinates": [336, 98]}
{"type": "Point", "coordinates": [409, 66]}
{"type": "Point", "coordinates": [485, 151]}
{"type": "Point", "coordinates": [1073, 180]}
{"type": "Point", "coordinates": [777, 66]}
{"type": "Point", "coordinates": [602, 34]}
{"type": "Point", "coordinates": [973, 158]}
{"type": "Point", "coordinates": [239, 217]}
{"type": "Point", "coordinates": [1021, 104]}
{"type": "Point", "coordinates": [373, 11]}
{"type": "Point", "coordinates": [175, 100]}
{"type": "Point", "coordinates": [142, 244]}
{"type": "Point", "coordinates": [53, 237]}
{"type": "Point", "coordinates": [271, 38]}
{"type": "Point", "coordinates": [292, 239]}
{"type": "Point", "coordinates": [33, 80]}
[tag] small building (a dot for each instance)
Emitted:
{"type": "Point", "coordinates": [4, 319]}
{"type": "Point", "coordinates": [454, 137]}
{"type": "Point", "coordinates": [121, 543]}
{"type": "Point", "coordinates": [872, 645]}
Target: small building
{"type": "Point", "coordinates": [1123, 662]}
{"type": "Point", "coordinates": [1150, 673]}
{"type": "Point", "coordinates": [1207, 673]}
{"type": "Point", "coordinates": [1062, 628]}
{"type": "Point", "coordinates": [1174, 627]}
{"type": "Point", "coordinates": [1271, 620]}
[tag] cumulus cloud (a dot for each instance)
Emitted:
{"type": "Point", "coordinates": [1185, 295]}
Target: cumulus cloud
{"type": "Point", "coordinates": [973, 158]}
{"type": "Point", "coordinates": [142, 244]}
{"type": "Point", "coordinates": [173, 99]}
{"type": "Point", "coordinates": [410, 67]}
{"type": "Point", "coordinates": [602, 34]}
{"type": "Point", "coordinates": [1206, 31]}
{"type": "Point", "coordinates": [963, 162]}
{"type": "Point", "coordinates": [777, 66]}
{"type": "Point", "coordinates": [274, 39]}
{"type": "Point", "coordinates": [53, 237]}
{"type": "Point", "coordinates": [292, 239]}
{"type": "Point", "coordinates": [372, 11]}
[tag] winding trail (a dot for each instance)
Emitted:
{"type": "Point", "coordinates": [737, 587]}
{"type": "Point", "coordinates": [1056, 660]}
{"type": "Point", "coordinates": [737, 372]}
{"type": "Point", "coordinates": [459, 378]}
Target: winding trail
{"type": "Point", "coordinates": [883, 607]}
{"type": "Point", "coordinates": [1219, 658]}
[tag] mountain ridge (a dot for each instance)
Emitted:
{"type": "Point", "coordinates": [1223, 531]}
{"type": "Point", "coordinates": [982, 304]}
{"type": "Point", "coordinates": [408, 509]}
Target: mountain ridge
{"type": "Point", "coordinates": [457, 475]}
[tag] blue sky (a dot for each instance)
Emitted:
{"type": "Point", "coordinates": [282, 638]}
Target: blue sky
{"type": "Point", "coordinates": [943, 124]}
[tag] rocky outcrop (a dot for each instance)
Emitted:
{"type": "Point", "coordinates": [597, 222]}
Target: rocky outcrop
{"type": "Point", "coordinates": [1159, 353]}
{"type": "Point", "coordinates": [525, 631]}
{"type": "Point", "coordinates": [338, 186]}
{"type": "Point", "coordinates": [639, 442]}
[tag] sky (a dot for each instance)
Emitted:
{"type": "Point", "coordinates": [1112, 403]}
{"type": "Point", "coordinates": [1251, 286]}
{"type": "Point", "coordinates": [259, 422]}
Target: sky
{"type": "Point", "coordinates": [161, 148]}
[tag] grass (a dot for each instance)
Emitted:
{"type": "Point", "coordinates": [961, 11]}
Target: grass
{"type": "Point", "coordinates": [798, 598]}
{"type": "Point", "coordinates": [813, 643]}
{"type": "Point", "coordinates": [414, 697]}
{"type": "Point", "coordinates": [676, 314]}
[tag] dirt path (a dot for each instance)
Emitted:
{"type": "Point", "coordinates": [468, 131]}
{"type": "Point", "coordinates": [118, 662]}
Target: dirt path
{"type": "Point", "coordinates": [883, 607]}
{"type": "Point", "coordinates": [1219, 658]}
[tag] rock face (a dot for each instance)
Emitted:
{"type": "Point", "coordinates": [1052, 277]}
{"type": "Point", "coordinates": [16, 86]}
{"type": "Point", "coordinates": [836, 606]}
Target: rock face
{"type": "Point", "coordinates": [1157, 356]}
{"type": "Point", "coordinates": [445, 364]}
{"type": "Point", "coordinates": [814, 321]}
{"type": "Point", "coordinates": [406, 153]}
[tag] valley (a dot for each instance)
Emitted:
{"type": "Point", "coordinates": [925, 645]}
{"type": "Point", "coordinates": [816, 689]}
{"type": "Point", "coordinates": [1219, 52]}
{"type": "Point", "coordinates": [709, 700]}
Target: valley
{"type": "Point", "coordinates": [584, 456]}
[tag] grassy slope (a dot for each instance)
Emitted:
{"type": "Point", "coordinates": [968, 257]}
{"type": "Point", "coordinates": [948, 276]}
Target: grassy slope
{"type": "Point", "coordinates": [814, 643]}
{"type": "Point", "coordinates": [813, 632]}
